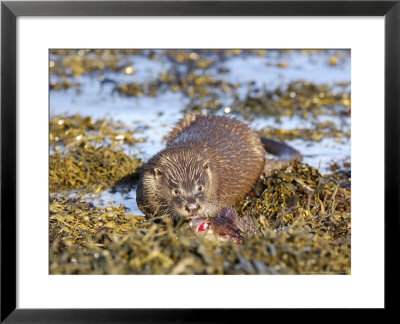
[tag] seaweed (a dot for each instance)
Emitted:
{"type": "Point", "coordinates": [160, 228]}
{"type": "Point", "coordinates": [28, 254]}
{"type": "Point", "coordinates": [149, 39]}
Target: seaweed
{"type": "Point", "coordinates": [301, 217]}
{"type": "Point", "coordinates": [89, 154]}
{"type": "Point", "coordinates": [299, 98]}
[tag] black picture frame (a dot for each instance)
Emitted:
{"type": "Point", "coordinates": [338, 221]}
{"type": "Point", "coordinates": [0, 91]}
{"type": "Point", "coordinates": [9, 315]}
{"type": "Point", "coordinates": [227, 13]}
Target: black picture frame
{"type": "Point", "coordinates": [10, 10]}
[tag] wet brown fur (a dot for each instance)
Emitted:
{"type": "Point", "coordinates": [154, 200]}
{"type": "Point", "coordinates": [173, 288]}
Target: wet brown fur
{"type": "Point", "coordinates": [220, 153]}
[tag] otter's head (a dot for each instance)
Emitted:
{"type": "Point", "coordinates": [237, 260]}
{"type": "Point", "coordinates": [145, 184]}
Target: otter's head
{"type": "Point", "coordinates": [182, 179]}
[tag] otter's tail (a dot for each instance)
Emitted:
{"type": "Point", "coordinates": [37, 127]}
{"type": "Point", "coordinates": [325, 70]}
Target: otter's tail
{"type": "Point", "coordinates": [283, 151]}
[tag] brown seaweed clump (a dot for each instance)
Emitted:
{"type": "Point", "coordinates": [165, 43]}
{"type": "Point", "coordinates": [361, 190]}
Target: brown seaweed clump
{"type": "Point", "coordinates": [200, 76]}
{"type": "Point", "coordinates": [302, 220]}
{"type": "Point", "coordinates": [89, 154]}
{"type": "Point", "coordinates": [318, 132]}
{"type": "Point", "coordinates": [77, 225]}
{"type": "Point", "coordinates": [300, 98]}
{"type": "Point", "coordinates": [74, 63]}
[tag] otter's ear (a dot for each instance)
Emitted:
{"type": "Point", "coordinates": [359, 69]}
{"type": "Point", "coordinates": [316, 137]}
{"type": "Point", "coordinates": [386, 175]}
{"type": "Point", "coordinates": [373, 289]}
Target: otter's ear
{"type": "Point", "coordinates": [206, 165]}
{"type": "Point", "coordinates": [157, 173]}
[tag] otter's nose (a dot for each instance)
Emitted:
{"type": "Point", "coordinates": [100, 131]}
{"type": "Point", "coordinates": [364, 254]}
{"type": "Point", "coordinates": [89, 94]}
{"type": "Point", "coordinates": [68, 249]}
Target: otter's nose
{"type": "Point", "coordinates": [192, 208]}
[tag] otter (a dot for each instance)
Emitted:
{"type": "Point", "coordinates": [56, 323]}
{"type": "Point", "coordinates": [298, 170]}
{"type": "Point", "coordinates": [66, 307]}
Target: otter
{"type": "Point", "coordinates": [209, 162]}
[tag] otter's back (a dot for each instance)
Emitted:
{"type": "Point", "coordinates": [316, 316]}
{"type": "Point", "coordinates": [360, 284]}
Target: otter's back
{"type": "Point", "coordinates": [235, 152]}
{"type": "Point", "coordinates": [214, 131]}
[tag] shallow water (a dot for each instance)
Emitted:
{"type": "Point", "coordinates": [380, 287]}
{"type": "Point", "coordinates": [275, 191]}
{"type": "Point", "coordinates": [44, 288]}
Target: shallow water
{"type": "Point", "coordinates": [153, 117]}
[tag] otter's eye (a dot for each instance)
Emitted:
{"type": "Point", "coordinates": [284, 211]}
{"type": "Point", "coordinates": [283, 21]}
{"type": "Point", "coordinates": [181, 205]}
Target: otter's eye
{"type": "Point", "coordinates": [176, 192]}
{"type": "Point", "coordinates": [200, 188]}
